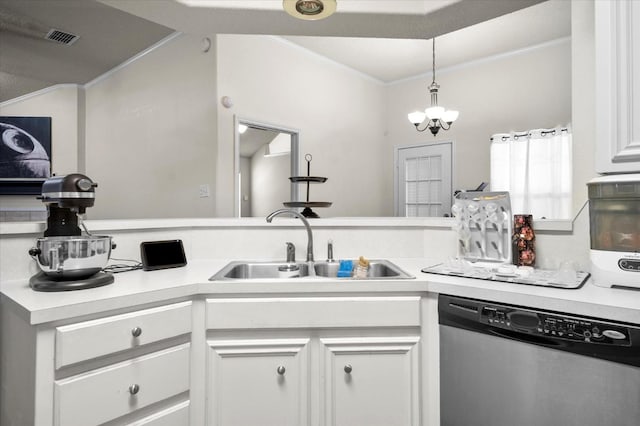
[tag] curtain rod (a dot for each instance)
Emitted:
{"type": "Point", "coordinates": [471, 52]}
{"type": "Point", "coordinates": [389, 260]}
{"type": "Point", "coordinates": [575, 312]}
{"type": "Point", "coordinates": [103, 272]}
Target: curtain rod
{"type": "Point", "coordinates": [516, 135]}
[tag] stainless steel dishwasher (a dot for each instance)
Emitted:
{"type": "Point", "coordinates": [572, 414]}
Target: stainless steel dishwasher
{"type": "Point", "coordinates": [504, 365]}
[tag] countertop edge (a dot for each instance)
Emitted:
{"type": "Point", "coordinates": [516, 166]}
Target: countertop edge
{"type": "Point", "coordinates": [140, 288]}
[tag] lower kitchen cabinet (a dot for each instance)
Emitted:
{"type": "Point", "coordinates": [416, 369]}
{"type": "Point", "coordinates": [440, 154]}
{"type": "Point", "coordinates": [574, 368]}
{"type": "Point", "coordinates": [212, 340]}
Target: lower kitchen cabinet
{"type": "Point", "coordinates": [350, 363]}
{"type": "Point", "coordinates": [258, 382]}
{"type": "Point", "coordinates": [119, 389]}
{"type": "Point", "coordinates": [131, 368]}
{"type": "Point", "coordinates": [224, 361]}
{"type": "Point", "coordinates": [371, 381]}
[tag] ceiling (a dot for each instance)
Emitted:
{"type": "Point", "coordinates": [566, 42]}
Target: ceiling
{"type": "Point", "coordinates": [254, 139]}
{"type": "Point", "coordinates": [108, 37]}
{"type": "Point", "coordinates": [390, 60]}
{"type": "Point", "coordinates": [112, 31]}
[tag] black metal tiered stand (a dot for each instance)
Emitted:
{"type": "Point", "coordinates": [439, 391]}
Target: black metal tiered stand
{"type": "Point", "coordinates": [308, 179]}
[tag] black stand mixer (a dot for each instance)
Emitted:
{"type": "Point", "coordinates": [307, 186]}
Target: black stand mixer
{"type": "Point", "coordinates": [69, 260]}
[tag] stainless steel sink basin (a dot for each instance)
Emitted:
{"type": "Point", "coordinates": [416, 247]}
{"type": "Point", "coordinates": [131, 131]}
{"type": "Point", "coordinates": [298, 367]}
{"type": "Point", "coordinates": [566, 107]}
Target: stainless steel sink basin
{"type": "Point", "coordinates": [251, 270]}
{"type": "Point", "coordinates": [242, 270]}
{"type": "Point", "coordinates": [378, 270]}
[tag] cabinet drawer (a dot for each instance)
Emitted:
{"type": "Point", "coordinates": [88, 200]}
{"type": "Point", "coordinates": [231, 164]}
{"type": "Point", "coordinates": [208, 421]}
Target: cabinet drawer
{"type": "Point", "coordinates": [91, 339]}
{"type": "Point", "coordinates": [178, 415]}
{"type": "Point", "coordinates": [101, 395]}
{"type": "Point", "coordinates": [305, 312]}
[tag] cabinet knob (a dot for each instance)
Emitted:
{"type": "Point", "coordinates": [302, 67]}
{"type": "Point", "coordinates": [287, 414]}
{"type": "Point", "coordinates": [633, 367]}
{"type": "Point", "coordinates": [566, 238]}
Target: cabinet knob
{"type": "Point", "coordinates": [134, 389]}
{"type": "Point", "coordinates": [348, 368]}
{"type": "Point", "coordinates": [136, 331]}
{"type": "Point", "coordinates": [281, 370]}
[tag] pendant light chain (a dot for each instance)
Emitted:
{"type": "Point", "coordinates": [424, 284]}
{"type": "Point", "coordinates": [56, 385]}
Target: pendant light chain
{"type": "Point", "coordinates": [433, 56]}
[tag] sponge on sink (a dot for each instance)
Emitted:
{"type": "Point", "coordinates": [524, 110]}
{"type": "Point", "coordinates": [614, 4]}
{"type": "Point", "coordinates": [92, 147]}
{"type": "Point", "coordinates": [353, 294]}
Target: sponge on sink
{"type": "Point", "coordinates": [345, 269]}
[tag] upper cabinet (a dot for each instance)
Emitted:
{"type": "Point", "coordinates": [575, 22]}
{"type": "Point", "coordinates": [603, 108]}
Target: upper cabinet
{"type": "Point", "coordinates": [617, 86]}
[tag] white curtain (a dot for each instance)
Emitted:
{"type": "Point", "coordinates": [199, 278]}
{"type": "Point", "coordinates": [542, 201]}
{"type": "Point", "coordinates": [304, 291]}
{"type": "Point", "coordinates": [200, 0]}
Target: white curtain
{"type": "Point", "coordinates": [535, 167]}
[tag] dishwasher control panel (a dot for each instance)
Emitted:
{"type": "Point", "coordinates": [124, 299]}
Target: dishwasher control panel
{"type": "Point", "coordinates": [557, 326]}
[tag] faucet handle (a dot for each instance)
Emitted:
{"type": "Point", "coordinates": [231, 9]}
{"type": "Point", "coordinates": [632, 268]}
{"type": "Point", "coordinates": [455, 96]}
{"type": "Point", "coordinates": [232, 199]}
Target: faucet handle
{"type": "Point", "coordinates": [291, 252]}
{"type": "Point", "coordinates": [330, 251]}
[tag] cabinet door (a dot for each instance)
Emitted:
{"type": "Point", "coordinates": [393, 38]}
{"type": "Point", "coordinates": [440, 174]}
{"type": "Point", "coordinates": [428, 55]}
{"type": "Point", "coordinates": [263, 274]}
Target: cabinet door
{"type": "Point", "coordinates": [101, 395]}
{"type": "Point", "coordinates": [617, 86]}
{"type": "Point", "coordinates": [371, 381]}
{"type": "Point", "coordinates": [261, 382]}
{"type": "Point", "coordinates": [92, 339]}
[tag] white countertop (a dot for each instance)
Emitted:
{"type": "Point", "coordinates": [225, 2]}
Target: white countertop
{"type": "Point", "coordinates": [139, 287]}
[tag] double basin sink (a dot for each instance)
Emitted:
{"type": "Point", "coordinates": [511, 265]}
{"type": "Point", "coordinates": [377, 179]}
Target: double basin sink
{"type": "Point", "coordinates": [243, 270]}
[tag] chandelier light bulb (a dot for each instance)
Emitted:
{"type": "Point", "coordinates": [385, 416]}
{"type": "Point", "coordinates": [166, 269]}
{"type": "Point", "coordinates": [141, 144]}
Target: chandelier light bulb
{"type": "Point", "coordinates": [434, 113]}
{"type": "Point", "coordinates": [450, 116]}
{"type": "Point", "coordinates": [416, 117]}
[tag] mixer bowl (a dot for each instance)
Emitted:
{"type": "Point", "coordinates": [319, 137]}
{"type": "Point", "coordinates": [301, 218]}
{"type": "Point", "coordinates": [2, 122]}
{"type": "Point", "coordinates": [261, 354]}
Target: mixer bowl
{"type": "Point", "coordinates": [72, 257]}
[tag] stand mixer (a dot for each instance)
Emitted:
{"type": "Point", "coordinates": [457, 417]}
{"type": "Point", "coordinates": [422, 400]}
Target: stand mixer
{"type": "Point", "coordinates": [69, 260]}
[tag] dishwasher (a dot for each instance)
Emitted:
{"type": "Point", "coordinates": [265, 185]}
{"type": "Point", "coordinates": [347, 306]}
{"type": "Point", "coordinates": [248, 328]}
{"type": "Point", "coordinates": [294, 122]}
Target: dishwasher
{"type": "Point", "coordinates": [503, 365]}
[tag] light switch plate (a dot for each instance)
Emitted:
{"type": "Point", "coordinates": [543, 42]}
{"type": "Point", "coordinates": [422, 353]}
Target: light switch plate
{"type": "Point", "coordinates": [204, 191]}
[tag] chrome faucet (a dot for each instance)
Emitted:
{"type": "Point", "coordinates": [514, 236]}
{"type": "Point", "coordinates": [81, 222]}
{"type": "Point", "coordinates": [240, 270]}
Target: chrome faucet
{"type": "Point", "coordinates": [330, 251]}
{"type": "Point", "coordinates": [306, 225]}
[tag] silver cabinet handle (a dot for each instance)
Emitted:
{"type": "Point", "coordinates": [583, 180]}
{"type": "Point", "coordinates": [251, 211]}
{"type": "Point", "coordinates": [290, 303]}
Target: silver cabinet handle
{"type": "Point", "coordinates": [136, 331]}
{"type": "Point", "coordinates": [281, 370]}
{"type": "Point", "coordinates": [348, 368]}
{"type": "Point", "coordinates": [134, 389]}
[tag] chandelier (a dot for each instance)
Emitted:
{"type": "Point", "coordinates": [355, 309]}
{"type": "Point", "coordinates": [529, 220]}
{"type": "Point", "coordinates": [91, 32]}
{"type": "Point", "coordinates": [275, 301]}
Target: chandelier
{"type": "Point", "coordinates": [435, 117]}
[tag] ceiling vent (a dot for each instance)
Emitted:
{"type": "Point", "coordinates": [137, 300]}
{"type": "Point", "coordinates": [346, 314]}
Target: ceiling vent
{"type": "Point", "coordinates": [61, 37]}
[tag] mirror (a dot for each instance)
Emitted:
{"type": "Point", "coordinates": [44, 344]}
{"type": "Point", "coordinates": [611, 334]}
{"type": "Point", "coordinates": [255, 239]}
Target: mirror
{"type": "Point", "coordinates": [350, 123]}
{"type": "Point", "coordinates": [266, 156]}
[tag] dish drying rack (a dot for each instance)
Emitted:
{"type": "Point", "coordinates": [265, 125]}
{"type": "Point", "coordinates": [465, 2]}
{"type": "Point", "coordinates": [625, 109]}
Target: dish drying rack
{"type": "Point", "coordinates": [308, 179]}
{"type": "Point", "coordinates": [483, 224]}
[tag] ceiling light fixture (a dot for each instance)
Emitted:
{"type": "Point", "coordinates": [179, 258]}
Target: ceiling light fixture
{"type": "Point", "coordinates": [311, 10]}
{"type": "Point", "coordinates": [435, 117]}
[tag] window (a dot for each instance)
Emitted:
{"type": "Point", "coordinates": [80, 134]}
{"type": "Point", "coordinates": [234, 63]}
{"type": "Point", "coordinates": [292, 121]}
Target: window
{"type": "Point", "coordinates": [536, 168]}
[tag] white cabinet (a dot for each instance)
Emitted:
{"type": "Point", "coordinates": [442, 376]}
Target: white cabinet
{"type": "Point", "coordinates": [371, 381]}
{"type": "Point", "coordinates": [331, 359]}
{"type": "Point", "coordinates": [122, 388]}
{"type": "Point", "coordinates": [617, 86]}
{"type": "Point", "coordinates": [258, 382]}
{"type": "Point", "coordinates": [314, 360]}
{"type": "Point", "coordinates": [90, 339]}
{"type": "Point", "coordinates": [130, 368]}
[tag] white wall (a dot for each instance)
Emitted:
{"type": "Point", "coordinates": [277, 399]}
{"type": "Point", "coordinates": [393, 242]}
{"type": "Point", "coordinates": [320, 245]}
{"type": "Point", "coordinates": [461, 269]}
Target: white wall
{"type": "Point", "coordinates": [511, 93]}
{"type": "Point", "coordinates": [151, 134]}
{"type": "Point", "coordinates": [61, 104]}
{"type": "Point", "coordinates": [245, 187]}
{"type": "Point", "coordinates": [270, 185]}
{"type": "Point", "coordinates": [271, 81]}
{"type": "Point", "coordinates": [583, 104]}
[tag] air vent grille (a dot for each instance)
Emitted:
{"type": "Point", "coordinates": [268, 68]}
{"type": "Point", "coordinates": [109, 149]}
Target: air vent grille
{"type": "Point", "coordinates": [61, 37]}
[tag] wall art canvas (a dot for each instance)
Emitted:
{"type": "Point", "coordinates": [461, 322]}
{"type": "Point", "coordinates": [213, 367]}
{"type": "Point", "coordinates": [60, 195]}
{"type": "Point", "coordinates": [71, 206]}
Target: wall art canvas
{"type": "Point", "coordinates": [25, 154]}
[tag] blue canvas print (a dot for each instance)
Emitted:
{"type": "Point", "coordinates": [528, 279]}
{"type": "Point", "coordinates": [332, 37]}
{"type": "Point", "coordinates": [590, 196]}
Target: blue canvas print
{"type": "Point", "coordinates": [25, 154]}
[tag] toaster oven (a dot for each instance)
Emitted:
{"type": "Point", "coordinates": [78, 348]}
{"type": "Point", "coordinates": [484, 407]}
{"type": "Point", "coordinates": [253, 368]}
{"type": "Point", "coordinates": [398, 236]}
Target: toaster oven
{"type": "Point", "coordinates": [614, 222]}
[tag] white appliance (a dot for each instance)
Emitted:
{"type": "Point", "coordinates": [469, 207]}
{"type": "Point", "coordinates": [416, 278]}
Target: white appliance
{"type": "Point", "coordinates": [614, 216]}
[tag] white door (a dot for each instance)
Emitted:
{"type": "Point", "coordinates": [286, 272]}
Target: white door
{"type": "Point", "coordinates": [258, 382]}
{"type": "Point", "coordinates": [423, 180]}
{"type": "Point", "coordinates": [372, 381]}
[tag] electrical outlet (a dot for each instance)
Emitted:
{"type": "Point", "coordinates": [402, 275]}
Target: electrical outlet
{"type": "Point", "coordinates": [204, 190]}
